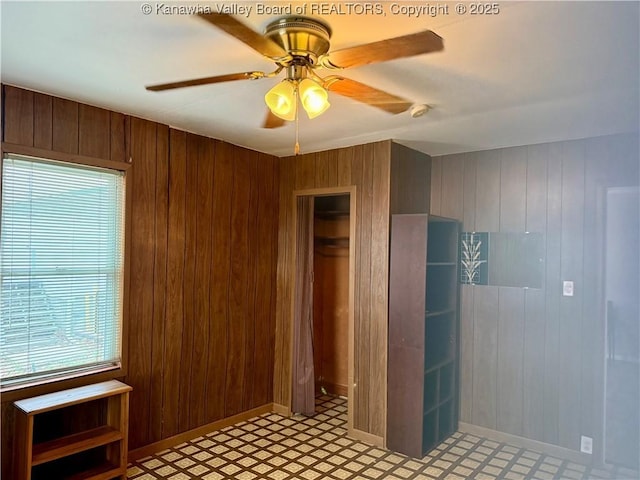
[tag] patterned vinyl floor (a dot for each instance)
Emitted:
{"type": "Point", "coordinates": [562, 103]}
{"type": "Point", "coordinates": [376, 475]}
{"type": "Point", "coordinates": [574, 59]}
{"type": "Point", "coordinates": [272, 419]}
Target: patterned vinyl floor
{"type": "Point", "coordinates": [272, 447]}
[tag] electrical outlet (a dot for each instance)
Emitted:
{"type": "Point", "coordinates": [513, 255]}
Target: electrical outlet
{"type": "Point", "coordinates": [567, 288]}
{"type": "Point", "coordinates": [586, 444]}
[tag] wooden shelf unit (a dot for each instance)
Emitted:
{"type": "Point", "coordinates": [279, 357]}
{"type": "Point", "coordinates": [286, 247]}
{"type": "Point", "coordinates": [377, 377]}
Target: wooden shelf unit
{"type": "Point", "coordinates": [112, 435]}
{"type": "Point", "coordinates": [423, 333]}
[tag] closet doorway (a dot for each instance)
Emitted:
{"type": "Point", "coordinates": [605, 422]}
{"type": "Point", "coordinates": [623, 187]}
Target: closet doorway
{"type": "Point", "coordinates": [323, 299]}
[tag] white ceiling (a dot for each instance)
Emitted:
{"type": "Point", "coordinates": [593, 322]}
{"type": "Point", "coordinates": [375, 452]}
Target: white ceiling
{"type": "Point", "coordinates": [534, 72]}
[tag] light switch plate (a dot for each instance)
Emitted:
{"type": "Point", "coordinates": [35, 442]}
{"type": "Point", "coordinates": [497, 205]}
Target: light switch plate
{"type": "Point", "coordinates": [586, 444]}
{"type": "Point", "coordinates": [567, 288]}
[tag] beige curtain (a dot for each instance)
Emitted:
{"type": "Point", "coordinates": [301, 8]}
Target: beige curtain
{"type": "Point", "coordinates": [303, 373]}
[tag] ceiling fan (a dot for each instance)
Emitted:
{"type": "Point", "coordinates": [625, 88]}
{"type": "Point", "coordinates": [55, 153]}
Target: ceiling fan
{"type": "Point", "coordinates": [299, 46]}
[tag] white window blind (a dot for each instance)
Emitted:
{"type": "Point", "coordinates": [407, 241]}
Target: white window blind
{"type": "Point", "coordinates": [61, 269]}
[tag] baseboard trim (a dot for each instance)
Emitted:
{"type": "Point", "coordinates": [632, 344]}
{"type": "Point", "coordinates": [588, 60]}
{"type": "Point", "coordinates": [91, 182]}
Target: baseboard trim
{"type": "Point", "coordinates": [366, 437]}
{"type": "Point", "coordinates": [333, 388]}
{"type": "Point", "coordinates": [156, 447]}
{"type": "Point", "coordinates": [281, 410]}
{"type": "Point", "coordinates": [517, 441]}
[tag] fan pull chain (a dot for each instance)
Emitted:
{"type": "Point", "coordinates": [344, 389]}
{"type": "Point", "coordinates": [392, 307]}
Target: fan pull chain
{"type": "Point", "coordinates": [296, 148]}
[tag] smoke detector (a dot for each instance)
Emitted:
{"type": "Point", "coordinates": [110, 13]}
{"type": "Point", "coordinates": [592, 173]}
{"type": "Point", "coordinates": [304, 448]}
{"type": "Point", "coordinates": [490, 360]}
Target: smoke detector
{"type": "Point", "coordinates": [418, 110]}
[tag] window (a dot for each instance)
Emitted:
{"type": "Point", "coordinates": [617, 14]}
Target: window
{"type": "Point", "coordinates": [61, 269]}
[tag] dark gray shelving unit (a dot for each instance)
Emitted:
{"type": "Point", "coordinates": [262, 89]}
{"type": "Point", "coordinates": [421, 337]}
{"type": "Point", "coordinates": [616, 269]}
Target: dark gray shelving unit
{"type": "Point", "coordinates": [423, 369]}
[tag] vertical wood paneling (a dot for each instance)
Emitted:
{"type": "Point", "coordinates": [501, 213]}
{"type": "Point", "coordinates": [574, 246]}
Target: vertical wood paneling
{"type": "Point", "coordinates": [322, 169]}
{"type": "Point", "coordinates": [548, 374]}
{"type": "Point", "coordinates": [250, 282]}
{"type": "Point", "coordinates": [159, 280]}
{"type": "Point", "coordinates": [571, 307]}
{"type": "Point", "coordinates": [174, 320]}
{"type": "Point", "coordinates": [305, 171]}
{"type": "Point", "coordinates": [513, 175]}
{"type": "Point", "coordinates": [533, 368]}
{"type": "Point", "coordinates": [553, 287]}
{"type": "Point", "coordinates": [485, 356]}
{"type": "Point", "coordinates": [593, 351]}
{"type": "Point", "coordinates": [488, 191]}
{"type": "Point", "coordinates": [7, 421]}
{"type": "Point", "coordinates": [379, 280]}
{"type": "Point", "coordinates": [533, 365]}
{"type": "Point", "coordinates": [332, 167]}
{"type": "Point", "coordinates": [282, 367]}
{"type": "Point", "coordinates": [451, 200]}
{"type": "Point", "coordinates": [94, 135]}
{"type": "Point", "coordinates": [467, 336]}
{"type": "Point", "coordinates": [219, 291]}
{"type": "Point", "coordinates": [469, 194]}
{"type": "Point", "coordinates": [65, 126]}
{"type": "Point", "coordinates": [510, 360]}
{"type": "Point", "coordinates": [18, 116]}
{"type": "Point", "coordinates": [435, 203]}
{"type": "Point", "coordinates": [234, 389]}
{"type": "Point", "coordinates": [361, 168]}
{"type": "Point", "coordinates": [189, 319]}
{"type": "Point", "coordinates": [43, 121]}
{"type": "Point", "coordinates": [143, 152]}
{"type": "Point", "coordinates": [205, 160]}
{"type": "Point", "coordinates": [267, 217]}
{"type": "Point", "coordinates": [467, 295]}
{"type": "Point", "coordinates": [513, 197]}
{"type": "Point", "coordinates": [117, 148]}
{"type": "Point", "coordinates": [344, 166]}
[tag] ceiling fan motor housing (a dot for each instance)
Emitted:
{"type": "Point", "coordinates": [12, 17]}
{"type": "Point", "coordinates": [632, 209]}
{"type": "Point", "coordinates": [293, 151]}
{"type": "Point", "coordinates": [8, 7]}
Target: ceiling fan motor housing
{"type": "Point", "coordinates": [300, 37]}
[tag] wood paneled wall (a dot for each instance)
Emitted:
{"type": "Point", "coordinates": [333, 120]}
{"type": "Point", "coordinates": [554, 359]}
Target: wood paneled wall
{"type": "Point", "coordinates": [203, 262]}
{"type": "Point", "coordinates": [369, 169]}
{"type": "Point", "coordinates": [37, 120]}
{"type": "Point", "coordinates": [531, 359]}
{"type": "Point", "coordinates": [202, 290]}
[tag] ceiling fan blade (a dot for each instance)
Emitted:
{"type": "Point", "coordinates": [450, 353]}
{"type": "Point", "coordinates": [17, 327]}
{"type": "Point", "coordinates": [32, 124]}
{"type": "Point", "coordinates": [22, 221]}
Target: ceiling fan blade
{"type": "Point", "coordinates": [272, 121]}
{"type": "Point", "coordinates": [392, 48]}
{"type": "Point", "coordinates": [246, 35]}
{"type": "Point", "coordinates": [366, 94]}
{"type": "Point", "coordinates": [206, 81]}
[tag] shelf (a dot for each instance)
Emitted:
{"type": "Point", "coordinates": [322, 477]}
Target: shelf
{"type": "Point", "coordinates": [78, 442]}
{"type": "Point", "coordinates": [74, 396]}
{"type": "Point", "coordinates": [103, 472]}
{"type": "Point", "coordinates": [423, 307]}
{"type": "Point", "coordinates": [439, 365]}
{"type": "Point", "coordinates": [439, 404]}
{"type": "Point", "coordinates": [436, 313]}
{"type": "Point", "coordinates": [96, 454]}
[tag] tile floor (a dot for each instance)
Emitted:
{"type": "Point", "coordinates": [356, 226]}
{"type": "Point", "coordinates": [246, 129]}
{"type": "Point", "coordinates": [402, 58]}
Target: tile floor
{"type": "Point", "coordinates": [272, 447]}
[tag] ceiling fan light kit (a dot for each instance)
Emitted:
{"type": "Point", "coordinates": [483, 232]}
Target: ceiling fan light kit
{"type": "Point", "coordinates": [301, 45]}
{"type": "Point", "coordinates": [314, 98]}
{"type": "Point", "coordinates": [281, 100]}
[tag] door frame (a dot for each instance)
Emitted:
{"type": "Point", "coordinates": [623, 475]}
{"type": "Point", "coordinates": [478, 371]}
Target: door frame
{"type": "Point", "coordinates": [601, 358]}
{"type": "Point", "coordinates": [324, 192]}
